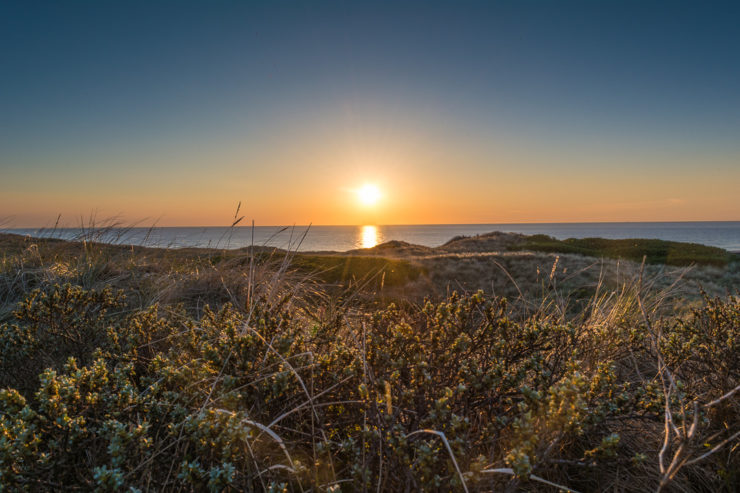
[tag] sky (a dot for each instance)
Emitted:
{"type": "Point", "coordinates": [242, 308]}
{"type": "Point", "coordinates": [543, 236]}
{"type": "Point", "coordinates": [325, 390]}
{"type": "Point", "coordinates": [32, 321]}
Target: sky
{"type": "Point", "coordinates": [459, 112]}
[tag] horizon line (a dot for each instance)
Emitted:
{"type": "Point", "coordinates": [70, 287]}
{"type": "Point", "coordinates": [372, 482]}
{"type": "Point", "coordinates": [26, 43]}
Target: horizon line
{"type": "Point", "coordinates": [310, 225]}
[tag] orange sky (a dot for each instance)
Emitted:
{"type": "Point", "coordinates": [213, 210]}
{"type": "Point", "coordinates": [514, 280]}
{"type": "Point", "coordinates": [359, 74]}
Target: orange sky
{"type": "Point", "coordinates": [460, 112]}
{"type": "Point", "coordinates": [423, 180]}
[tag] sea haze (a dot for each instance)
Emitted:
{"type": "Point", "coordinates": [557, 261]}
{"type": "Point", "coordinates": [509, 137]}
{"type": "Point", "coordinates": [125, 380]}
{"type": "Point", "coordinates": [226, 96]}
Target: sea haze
{"type": "Point", "coordinates": [725, 234]}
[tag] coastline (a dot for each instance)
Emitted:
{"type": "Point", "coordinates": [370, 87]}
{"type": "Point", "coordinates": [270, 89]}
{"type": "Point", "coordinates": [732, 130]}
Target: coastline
{"type": "Point", "coordinates": [723, 234]}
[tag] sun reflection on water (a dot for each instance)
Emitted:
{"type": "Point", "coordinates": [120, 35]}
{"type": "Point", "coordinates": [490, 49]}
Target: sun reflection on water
{"type": "Point", "coordinates": [369, 236]}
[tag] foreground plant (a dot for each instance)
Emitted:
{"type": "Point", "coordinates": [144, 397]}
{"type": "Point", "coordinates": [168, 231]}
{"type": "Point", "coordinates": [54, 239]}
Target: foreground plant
{"type": "Point", "coordinates": [463, 394]}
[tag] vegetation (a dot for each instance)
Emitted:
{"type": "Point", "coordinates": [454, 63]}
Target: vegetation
{"type": "Point", "coordinates": [131, 369]}
{"type": "Point", "coordinates": [654, 251]}
{"type": "Point", "coordinates": [345, 269]}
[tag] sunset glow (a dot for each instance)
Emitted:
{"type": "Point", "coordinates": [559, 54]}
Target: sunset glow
{"type": "Point", "coordinates": [369, 236]}
{"type": "Point", "coordinates": [441, 113]}
{"type": "Point", "coordinates": [368, 194]}
{"type": "Point", "coordinates": [217, 214]}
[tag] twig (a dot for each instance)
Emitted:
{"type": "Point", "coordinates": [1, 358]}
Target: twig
{"type": "Point", "coordinates": [720, 399]}
{"type": "Point", "coordinates": [449, 449]}
{"type": "Point", "coordinates": [510, 471]}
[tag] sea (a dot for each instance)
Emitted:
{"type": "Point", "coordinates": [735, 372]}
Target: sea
{"type": "Point", "coordinates": [724, 234]}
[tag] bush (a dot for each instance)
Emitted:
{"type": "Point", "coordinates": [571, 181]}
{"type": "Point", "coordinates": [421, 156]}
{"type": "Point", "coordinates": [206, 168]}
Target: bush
{"type": "Point", "coordinates": [654, 251]}
{"type": "Point", "coordinates": [460, 393]}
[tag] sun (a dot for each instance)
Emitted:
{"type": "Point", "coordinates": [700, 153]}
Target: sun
{"type": "Point", "coordinates": [368, 194]}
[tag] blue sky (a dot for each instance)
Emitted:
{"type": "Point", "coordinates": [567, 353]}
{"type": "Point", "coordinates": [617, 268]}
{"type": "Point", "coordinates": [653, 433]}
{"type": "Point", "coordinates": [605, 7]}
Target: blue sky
{"type": "Point", "coordinates": [180, 109]}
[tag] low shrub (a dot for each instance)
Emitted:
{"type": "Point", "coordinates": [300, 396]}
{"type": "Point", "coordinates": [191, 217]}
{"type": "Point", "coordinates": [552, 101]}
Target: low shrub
{"type": "Point", "coordinates": [654, 251]}
{"type": "Point", "coordinates": [460, 394]}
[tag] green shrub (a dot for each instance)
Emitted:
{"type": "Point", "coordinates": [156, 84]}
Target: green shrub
{"type": "Point", "coordinates": [265, 397]}
{"type": "Point", "coordinates": [52, 325]}
{"type": "Point", "coordinates": [654, 251]}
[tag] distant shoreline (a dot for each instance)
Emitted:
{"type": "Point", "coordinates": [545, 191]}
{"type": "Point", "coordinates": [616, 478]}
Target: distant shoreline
{"type": "Point", "coordinates": [722, 234]}
{"type": "Point", "coordinates": [495, 242]}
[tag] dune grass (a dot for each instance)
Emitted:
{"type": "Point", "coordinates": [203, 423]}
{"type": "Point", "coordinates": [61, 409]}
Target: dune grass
{"type": "Point", "coordinates": [654, 251]}
{"type": "Point", "coordinates": [343, 269]}
{"type": "Point", "coordinates": [127, 369]}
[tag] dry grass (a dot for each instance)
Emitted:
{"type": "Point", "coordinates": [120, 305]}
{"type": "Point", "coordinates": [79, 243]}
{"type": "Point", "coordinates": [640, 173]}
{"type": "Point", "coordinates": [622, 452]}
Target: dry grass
{"type": "Point", "coordinates": [259, 369]}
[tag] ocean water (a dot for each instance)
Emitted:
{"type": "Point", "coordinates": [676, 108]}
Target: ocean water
{"type": "Point", "coordinates": [342, 238]}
